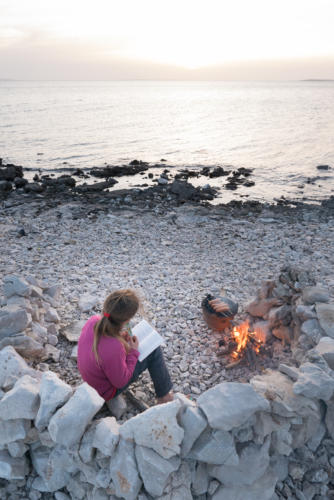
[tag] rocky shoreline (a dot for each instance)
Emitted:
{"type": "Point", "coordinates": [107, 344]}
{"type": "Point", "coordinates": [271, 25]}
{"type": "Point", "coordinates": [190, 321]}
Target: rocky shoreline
{"type": "Point", "coordinates": [173, 248]}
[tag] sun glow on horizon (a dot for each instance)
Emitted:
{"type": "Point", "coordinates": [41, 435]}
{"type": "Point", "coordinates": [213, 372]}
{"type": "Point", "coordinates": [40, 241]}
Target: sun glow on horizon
{"type": "Point", "coordinates": [184, 33]}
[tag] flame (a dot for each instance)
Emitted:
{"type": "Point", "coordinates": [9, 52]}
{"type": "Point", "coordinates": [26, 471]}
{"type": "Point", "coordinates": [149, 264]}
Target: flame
{"type": "Point", "coordinates": [241, 335]}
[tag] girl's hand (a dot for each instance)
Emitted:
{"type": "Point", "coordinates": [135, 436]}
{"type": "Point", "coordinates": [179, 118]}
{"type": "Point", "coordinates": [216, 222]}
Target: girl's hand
{"type": "Point", "coordinates": [133, 342]}
{"type": "Point", "coordinates": [126, 336]}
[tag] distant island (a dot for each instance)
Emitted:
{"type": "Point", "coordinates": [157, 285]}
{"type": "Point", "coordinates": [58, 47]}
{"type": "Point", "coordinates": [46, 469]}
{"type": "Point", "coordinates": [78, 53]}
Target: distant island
{"type": "Point", "coordinates": [317, 80]}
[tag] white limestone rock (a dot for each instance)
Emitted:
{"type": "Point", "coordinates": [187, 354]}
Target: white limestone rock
{"type": "Point", "coordinates": [215, 447]}
{"type": "Point", "coordinates": [17, 449]}
{"type": "Point", "coordinates": [86, 448]}
{"type": "Point", "coordinates": [230, 404]}
{"type": "Point", "coordinates": [12, 367]}
{"type": "Point", "coordinates": [329, 419]}
{"type": "Point", "coordinates": [74, 353]}
{"type": "Point", "coordinates": [193, 422]}
{"type": "Point", "coordinates": [326, 349]}
{"type": "Point", "coordinates": [124, 471]}
{"type": "Point", "coordinates": [13, 430]}
{"type": "Point", "coordinates": [312, 329]}
{"type": "Point", "coordinates": [317, 437]}
{"type": "Point", "coordinates": [87, 302]}
{"type": "Point", "coordinates": [200, 479]}
{"type": "Point", "coordinates": [314, 294]}
{"type": "Point", "coordinates": [106, 435]}
{"type": "Point", "coordinates": [65, 427]}
{"type": "Point", "coordinates": [284, 402]}
{"type": "Point", "coordinates": [12, 468]}
{"type": "Point", "coordinates": [73, 331]}
{"type": "Point", "coordinates": [305, 312]}
{"type": "Point", "coordinates": [313, 382]}
{"type": "Point", "coordinates": [13, 319]}
{"type": "Point", "coordinates": [51, 315]}
{"type": "Point", "coordinates": [281, 442]}
{"type": "Point", "coordinates": [262, 489]}
{"type": "Point", "coordinates": [156, 428]}
{"type": "Point", "coordinates": [51, 352]}
{"type": "Point", "coordinates": [290, 371]}
{"type": "Point", "coordinates": [53, 292]}
{"type": "Point", "coordinates": [25, 345]}
{"type": "Point", "coordinates": [39, 330]}
{"type": "Point", "coordinates": [22, 401]}
{"type": "Point", "coordinates": [325, 314]}
{"type": "Point", "coordinates": [53, 394]}
{"type": "Point", "coordinates": [14, 285]}
{"type": "Point", "coordinates": [252, 464]}
{"type": "Point", "coordinates": [54, 467]}
{"type": "Point", "coordinates": [154, 469]}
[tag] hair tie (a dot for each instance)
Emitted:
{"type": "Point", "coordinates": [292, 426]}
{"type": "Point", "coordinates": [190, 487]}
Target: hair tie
{"type": "Point", "coordinates": [107, 315]}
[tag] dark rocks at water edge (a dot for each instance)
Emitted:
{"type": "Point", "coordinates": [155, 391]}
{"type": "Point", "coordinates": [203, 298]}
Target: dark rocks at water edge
{"type": "Point", "coordinates": [119, 171]}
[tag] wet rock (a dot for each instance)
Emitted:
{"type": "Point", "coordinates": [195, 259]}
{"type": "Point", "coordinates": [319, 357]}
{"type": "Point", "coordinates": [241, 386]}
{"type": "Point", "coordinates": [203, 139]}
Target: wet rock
{"type": "Point", "coordinates": [230, 404]}
{"type": "Point", "coordinates": [33, 187]}
{"type": "Point", "coordinates": [5, 186]}
{"type": "Point", "coordinates": [98, 186]}
{"type": "Point", "coordinates": [9, 172]}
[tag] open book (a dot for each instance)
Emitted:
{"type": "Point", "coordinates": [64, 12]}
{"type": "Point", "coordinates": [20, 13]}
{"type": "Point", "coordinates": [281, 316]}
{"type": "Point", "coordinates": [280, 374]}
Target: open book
{"type": "Point", "coordinates": [148, 338]}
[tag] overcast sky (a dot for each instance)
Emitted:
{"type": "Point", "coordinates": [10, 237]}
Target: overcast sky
{"type": "Point", "coordinates": [167, 39]}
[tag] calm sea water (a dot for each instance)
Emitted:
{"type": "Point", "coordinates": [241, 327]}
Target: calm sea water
{"type": "Point", "coordinates": [281, 129]}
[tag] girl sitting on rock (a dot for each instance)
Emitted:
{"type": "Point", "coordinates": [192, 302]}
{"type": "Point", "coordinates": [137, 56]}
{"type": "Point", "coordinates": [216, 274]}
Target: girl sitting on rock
{"type": "Point", "coordinates": [108, 355]}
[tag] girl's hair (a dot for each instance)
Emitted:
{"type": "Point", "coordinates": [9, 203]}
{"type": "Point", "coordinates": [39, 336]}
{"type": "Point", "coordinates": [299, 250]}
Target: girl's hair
{"type": "Point", "coordinates": [121, 306]}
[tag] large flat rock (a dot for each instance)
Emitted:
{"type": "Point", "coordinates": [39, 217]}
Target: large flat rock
{"type": "Point", "coordinates": [231, 404]}
{"type": "Point", "coordinates": [156, 428]}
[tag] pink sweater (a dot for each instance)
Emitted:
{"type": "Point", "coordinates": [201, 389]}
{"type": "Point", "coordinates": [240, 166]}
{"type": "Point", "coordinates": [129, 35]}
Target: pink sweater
{"type": "Point", "coordinates": [115, 368]}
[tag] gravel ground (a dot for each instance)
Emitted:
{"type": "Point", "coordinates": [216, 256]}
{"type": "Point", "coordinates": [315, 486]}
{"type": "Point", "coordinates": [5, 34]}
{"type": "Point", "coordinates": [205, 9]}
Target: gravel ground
{"type": "Point", "coordinates": [173, 256]}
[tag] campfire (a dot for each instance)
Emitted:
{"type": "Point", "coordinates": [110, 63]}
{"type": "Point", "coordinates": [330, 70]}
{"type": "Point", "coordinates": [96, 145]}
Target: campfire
{"type": "Point", "coordinates": [242, 345]}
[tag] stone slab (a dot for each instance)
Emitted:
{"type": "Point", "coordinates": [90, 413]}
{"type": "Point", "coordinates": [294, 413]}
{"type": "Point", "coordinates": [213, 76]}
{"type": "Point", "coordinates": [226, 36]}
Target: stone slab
{"type": "Point", "coordinates": [230, 404]}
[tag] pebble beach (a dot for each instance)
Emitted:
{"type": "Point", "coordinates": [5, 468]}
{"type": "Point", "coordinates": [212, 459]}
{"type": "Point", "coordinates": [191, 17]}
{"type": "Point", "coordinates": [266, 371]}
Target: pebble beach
{"type": "Point", "coordinates": [173, 255]}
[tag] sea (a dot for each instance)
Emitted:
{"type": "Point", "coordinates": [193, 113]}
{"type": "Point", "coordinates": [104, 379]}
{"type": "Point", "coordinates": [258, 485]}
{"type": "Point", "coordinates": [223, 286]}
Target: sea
{"type": "Point", "coordinates": [281, 130]}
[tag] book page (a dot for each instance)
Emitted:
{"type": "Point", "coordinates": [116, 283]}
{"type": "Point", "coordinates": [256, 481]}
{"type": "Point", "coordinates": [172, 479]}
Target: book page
{"type": "Point", "coordinates": [149, 339]}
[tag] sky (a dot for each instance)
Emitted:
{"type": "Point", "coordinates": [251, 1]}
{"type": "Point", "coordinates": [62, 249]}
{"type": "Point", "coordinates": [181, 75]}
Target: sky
{"type": "Point", "coordinates": [166, 39]}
